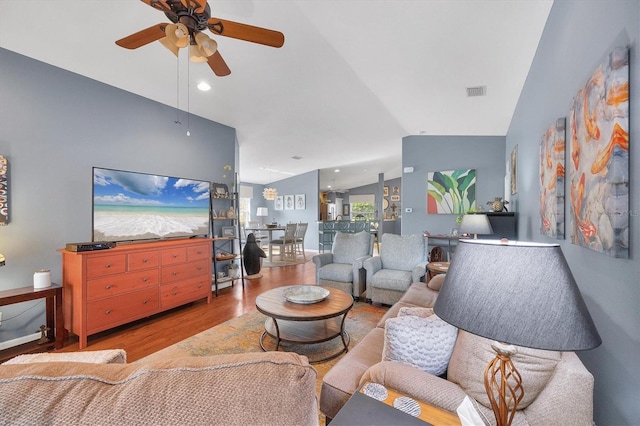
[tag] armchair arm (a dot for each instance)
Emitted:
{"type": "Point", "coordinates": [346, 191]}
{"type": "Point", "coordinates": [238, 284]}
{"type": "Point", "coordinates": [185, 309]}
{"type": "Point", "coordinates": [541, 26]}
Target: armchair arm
{"type": "Point", "coordinates": [372, 265]}
{"type": "Point", "coordinates": [419, 272]}
{"type": "Point", "coordinates": [357, 265]}
{"type": "Point", "coordinates": [322, 259]}
{"type": "Point", "coordinates": [415, 383]}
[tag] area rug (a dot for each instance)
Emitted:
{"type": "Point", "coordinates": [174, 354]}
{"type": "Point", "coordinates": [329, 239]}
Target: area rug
{"type": "Point", "coordinates": [242, 334]}
{"type": "Point", "coordinates": [276, 261]}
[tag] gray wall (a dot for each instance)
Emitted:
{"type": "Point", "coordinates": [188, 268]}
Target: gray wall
{"type": "Point", "coordinates": [577, 36]}
{"type": "Point", "coordinates": [306, 183]}
{"type": "Point", "coordinates": [438, 153]}
{"type": "Point", "coordinates": [54, 127]}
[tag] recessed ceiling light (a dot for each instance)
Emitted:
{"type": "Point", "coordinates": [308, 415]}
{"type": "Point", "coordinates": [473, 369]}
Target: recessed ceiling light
{"type": "Point", "coordinates": [204, 86]}
{"type": "Point", "coordinates": [337, 171]}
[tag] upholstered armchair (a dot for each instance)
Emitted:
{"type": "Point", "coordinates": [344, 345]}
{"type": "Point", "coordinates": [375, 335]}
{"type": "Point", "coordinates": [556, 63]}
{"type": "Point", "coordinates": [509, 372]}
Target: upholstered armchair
{"type": "Point", "coordinates": [342, 268]}
{"type": "Point", "coordinates": [402, 261]}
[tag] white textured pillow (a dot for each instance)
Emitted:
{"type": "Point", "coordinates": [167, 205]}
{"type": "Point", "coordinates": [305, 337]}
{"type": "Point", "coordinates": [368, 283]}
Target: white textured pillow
{"type": "Point", "coordinates": [426, 343]}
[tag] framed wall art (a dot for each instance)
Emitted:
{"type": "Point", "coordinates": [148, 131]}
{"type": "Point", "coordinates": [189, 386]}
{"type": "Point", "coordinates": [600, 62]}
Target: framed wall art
{"type": "Point", "coordinates": [451, 192]}
{"type": "Point", "coordinates": [552, 173]}
{"type": "Point", "coordinates": [301, 202]}
{"type": "Point", "coordinates": [385, 191]}
{"type": "Point", "coordinates": [289, 202]}
{"type": "Point", "coordinates": [4, 191]}
{"type": "Point", "coordinates": [513, 167]}
{"type": "Point", "coordinates": [599, 184]}
{"type": "Point", "coordinates": [346, 210]}
{"type": "Point", "coordinates": [229, 231]}
{"type": "Point", "coordinates": [219, 190]}
{"type": "Point", "coordinates": [278, 204]}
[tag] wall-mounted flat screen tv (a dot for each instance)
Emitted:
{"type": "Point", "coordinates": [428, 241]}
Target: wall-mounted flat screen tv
{"type": "Point", "coordinates": [130, 206]}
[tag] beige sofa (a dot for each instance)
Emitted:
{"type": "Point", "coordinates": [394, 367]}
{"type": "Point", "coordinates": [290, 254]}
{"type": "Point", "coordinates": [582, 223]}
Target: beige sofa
{"type": "Point", "coordinates": [274, 388]}
{"type": "Point", "coordinates": [558, 388]}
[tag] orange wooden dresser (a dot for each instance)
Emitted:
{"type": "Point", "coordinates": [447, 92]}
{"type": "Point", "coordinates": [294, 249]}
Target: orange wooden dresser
{"type": "Point", "coordinates": [106, 288]}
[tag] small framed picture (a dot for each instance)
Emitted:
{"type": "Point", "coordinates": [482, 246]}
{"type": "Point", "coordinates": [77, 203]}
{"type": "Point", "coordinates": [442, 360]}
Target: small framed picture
{"type": "Point", "coordinates": [386, 191]}
{"type": "Point", "coordinates": [301, 202]}
{"type": "Point", "coordinates": [395, 198]}
{"type": "Point", "coordinates": [279, 203]}
{"type": "Point", "coordinates": [229, 231]}
{"type": "Point", "coordinates": [219, 190]}
{"type": "Point", "coordinates": [288, 202]}
{"type": "Point", "coordinates": [345, 210]}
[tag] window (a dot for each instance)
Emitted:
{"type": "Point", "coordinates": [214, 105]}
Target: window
{"type": "Point", "coordinates": [246, 194]}
{"type": "Point", "coordinates": [363, 205]}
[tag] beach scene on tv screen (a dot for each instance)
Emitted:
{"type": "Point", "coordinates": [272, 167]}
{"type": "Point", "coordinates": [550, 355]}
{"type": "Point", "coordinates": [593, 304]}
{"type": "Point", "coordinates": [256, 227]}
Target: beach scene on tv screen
{"type": "Point", "coordinates": [137, 206]}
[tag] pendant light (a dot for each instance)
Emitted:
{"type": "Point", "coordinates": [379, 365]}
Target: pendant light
{"type": "Point", "coordinates": [270, 194]}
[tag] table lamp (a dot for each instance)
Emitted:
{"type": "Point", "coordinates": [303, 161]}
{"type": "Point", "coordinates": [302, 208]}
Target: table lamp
{"type": "Point", "coordinates": [475, 224]}
{"type": "Point", "coordinates": [262, 212]}
{"type": "Point", "coordinates": [516, 293]}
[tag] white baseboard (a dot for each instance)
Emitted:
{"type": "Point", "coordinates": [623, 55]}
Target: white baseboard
{"type": "Point", "coordinates": [19, 341]}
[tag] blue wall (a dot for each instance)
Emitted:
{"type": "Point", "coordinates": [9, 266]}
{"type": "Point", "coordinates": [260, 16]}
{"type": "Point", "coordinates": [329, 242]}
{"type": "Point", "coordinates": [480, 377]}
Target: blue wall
{"type": "Point", "coordinates": [438, 153]}
{"type": "Point", "coordinates": [577, 36]}
{"type": "Point", "coordinates": [54, 127]}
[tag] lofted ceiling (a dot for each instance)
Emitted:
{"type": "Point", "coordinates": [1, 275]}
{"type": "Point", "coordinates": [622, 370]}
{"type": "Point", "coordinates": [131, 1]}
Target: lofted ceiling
{"type": "Point", "coordinates": [353, 77]}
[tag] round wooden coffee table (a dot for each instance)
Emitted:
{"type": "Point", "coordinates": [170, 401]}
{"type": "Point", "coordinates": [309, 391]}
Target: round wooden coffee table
{"type": "Point", "coordinates": [305, 323]}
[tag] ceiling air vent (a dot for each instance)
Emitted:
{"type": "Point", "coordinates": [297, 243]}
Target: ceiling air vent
{"type": "Point", "coordinates": [476, 91]}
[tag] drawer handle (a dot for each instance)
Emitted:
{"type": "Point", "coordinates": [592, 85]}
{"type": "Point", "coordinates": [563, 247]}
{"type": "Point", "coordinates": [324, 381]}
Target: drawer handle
{"type": "Point", "coordinates": [175, 293]}
{"type": "Point", "coordinates": [175, 255]}
{"type": "Point", "coordinates": [108, 265]}
{"type": "Point", "coordinates": [108, 311]}
{"type": "Point", "coordinates": [145, 260]}
{"type": "Point", "coordinates": [199, 268]}
{"type": "Point", "coordinates": [145, 279]}
{"type": "Point", "coordinates": [174, 273]}
{"type": "Point", "coordinates": [108, 286]}
{"type": "Point", "coordinates": [144, 302]}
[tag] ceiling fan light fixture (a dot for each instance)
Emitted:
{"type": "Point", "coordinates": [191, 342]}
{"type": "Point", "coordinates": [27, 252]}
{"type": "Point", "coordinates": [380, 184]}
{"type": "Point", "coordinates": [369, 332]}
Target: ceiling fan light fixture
{"type": "Point", "coordinates": [207, 45]}
{"type": "Point", "coordinates": [170, 46]}
{"type": "Point", "coordinates": [178, 34]}
{"type": "Point", "coordinates": [195, 55]}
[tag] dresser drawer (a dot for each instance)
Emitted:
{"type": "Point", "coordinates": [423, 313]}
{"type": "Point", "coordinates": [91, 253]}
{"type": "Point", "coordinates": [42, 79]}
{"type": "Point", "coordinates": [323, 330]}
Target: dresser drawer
{"type": "Point", "coordinates": [202, 251]}
{"type": "Point", "coordinates": [174, 255]}
{"type": "Point", "coordinates": [98, 266]}
{"type": "Point", "coordinates": [106, 313]}
{"type": "Point", "coordinates": [143, 260]}
{"type": "Point", "coordinates": [184, 291]}
{"type": "Point", "coordinates": [98, 288]}
{"type": "Point", "coordinates": [185, 271]}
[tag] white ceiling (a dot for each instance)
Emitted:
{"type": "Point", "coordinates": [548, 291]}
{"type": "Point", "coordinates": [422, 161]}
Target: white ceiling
{"type": "Point", "coordinates": [353, 78]}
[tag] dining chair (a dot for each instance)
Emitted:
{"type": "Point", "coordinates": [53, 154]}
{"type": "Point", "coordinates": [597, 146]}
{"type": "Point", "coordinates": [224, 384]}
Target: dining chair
{"type": "Point", "coordinates": [301, 230]}
{"type": "Point", "coordinates": [286, 244]}
{"type": "Point", "coordinates": [261, 236]}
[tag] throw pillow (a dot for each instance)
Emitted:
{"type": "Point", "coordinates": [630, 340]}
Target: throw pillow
{"type": "Point", "coordinates": [415, 311]}
{"type": "Point", "coordinates": [473, 353]}
{"type": "Point", "coordinates": [425, 343]}
{"type": "Point", "coordinates": [435, 283]}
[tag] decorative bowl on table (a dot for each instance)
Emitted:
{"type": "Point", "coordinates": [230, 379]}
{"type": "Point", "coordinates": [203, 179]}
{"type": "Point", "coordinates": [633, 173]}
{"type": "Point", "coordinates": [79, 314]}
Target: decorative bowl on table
{"type": "Point", "coordinates": [305, 294]}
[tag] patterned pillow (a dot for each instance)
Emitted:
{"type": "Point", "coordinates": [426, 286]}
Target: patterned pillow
{"type": "Point", "coordinates": [424, 342]}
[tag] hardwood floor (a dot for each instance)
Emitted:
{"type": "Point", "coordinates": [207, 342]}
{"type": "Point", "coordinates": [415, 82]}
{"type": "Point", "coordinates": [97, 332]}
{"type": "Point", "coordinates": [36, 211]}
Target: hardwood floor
{"type": "Point", "coordinates": [143, 337]}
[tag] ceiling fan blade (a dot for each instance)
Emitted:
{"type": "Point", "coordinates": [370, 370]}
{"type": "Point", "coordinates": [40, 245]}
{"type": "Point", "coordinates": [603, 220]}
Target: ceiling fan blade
{"type": "Point", "coordinates": [245, 32]}
{"type": "Point", "coordinates": [143, 37]}
{"type": "Point", "coordinates": [218, 65]}
{"type": "Point", "coordinates": [161, 5]}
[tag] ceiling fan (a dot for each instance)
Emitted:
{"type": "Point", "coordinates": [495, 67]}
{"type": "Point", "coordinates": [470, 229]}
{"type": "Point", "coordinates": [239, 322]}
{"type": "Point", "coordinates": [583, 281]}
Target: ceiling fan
{"type": "Point", "coordinates": [189, 18]}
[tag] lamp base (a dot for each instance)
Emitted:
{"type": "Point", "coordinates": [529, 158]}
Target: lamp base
{"type": "Point", "coordinates": [503, 384]}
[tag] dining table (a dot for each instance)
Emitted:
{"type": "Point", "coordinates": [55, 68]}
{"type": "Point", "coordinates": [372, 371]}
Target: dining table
{"type": "Point", "coordinates": [265, 228]}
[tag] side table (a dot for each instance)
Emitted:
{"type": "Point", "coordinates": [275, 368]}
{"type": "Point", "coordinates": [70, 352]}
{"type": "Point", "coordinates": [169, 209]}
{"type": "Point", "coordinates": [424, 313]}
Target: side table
{"type": "Point", "coordinates": [363, 410]}
{"type": "Point", "coordinates": [435, 268]}
{"type": "Point", "coordinates": [54, 313]}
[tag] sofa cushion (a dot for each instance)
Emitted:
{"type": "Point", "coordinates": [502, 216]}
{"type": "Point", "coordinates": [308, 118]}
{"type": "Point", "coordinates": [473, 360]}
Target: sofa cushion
{"type": "Point", "coordinates": [392, 279]}
{"type": "Point", "coordinates": [402, 252]}
{"type": "Point", "coordinates": [472, 354]}
{"type": "Point", "coordinates": [424, 341]}
{"type": "Point", "coordinates": [342, 272]}
{"type": "Point", "coordinates": [348, 247]}
{"type": "Point", "coordinates": [435, 283]}
{"type": "Point", "coordinates": [275, 387]}
{"type": "Point", "coordinates": [107, 356]}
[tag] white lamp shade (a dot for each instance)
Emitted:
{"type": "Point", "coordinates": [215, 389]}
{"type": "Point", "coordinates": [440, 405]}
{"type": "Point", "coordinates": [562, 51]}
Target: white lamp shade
{"type": "Point", "coordinates": [262, 211]}
{"type": "Point", "coordinates": [475, 224]}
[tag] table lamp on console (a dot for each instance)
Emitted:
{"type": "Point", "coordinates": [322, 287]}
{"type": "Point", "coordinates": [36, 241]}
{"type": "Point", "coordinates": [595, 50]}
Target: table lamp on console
{"type": "Point", "coordinates": [262, 212]}
{"type": "Point", "coordinates": [475, 224]}
{"type": "Point", "coordinates": [515, 293]}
